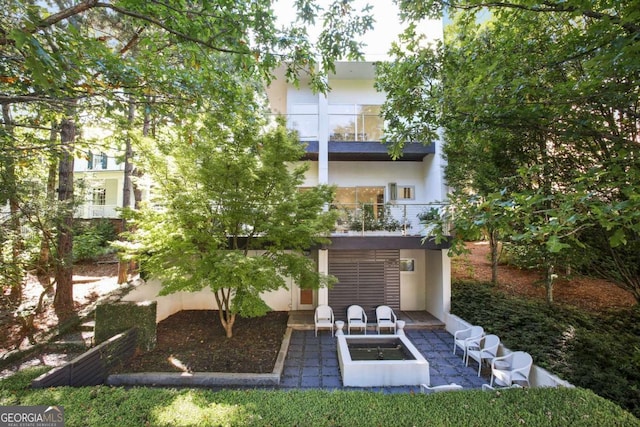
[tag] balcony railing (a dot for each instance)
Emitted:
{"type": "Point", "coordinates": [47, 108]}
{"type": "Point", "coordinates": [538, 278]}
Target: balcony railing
{"type": "Point", "coordinates": [89, 211]}
{"type": "Point", "coordinates": [395, 219]}
{"type": "Point", "coordinates": [342, 127]}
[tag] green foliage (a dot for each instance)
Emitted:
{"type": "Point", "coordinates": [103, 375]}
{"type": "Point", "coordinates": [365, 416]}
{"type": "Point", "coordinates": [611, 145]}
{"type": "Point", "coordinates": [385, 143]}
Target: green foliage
{"type": "Point", "coordinates": [232, 217]}
{"type": "Point", "coordinates": [596, 351]}
{"type": "Point", "coordinates": [92, 240]}
{"type": "Point", "coordinates": [116, 406]}
{"type": "Point", "coordinates": [364, 218]}
{"type": "Point", "coordinates": [542, 103]}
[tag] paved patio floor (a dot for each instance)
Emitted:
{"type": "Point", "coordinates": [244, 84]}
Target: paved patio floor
{"type": "Point", "coordinates": [312, 362]}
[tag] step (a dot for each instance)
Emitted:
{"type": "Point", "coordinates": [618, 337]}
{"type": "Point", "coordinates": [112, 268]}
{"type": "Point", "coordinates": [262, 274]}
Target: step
{"type": "Point", "coordinates": [88, 326]}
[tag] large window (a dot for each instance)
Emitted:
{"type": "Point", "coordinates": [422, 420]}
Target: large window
{"type": "Point", "coordinates": [99, 196]}
{"type": "Point", "coordinates": [355, 122]}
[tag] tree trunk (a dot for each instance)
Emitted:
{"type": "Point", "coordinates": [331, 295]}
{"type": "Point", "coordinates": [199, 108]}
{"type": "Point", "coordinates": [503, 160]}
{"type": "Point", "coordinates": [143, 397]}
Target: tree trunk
{"type": "Point", "coordinates": [63, 300]}
{"type": "Point", "coordinates": [493, 245]}
{"type": "Point", "coordinates": [45, 245]}
{"type": "Point", "coordinates": [123, 267]}
{"type": "Point", "coordinates": [14, 211]}
{"type": "Point", "coordinates": [227, 319]}
{"type": "Point", "coordinates": [549, 283]}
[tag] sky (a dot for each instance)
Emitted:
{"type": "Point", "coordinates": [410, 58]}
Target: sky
{"type": "Point", "coordinates": [386, 26]}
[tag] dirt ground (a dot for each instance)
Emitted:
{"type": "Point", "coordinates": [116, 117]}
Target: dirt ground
{"type": "Point", "coordinates": [90, 281]}
{"type": "Point", "coordinates": [194, 340]}
{"type": "Point", "coordinates": [583, 292]}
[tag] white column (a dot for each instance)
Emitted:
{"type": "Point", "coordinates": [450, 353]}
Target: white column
{"type": "Point", "coordinates": [323, 139]}
{"type": "Point", "coordinates": [323, 268]}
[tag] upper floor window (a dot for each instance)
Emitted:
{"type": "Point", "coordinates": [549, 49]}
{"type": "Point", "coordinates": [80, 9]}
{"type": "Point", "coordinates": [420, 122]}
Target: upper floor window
{"type": "Point", "coordinates": [97, 161]}
{"type": "Point", "coordinates": [355, 122]}
{"type": "Point", "coordinates": [401, 192]}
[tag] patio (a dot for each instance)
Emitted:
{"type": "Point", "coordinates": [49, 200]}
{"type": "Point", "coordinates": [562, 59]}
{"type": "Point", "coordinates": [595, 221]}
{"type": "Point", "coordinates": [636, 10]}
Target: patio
{"type": "Point", "coordinates": [312, 362]}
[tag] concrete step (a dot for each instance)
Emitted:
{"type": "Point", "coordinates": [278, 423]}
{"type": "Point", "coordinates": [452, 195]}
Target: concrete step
{"type": "Point", "coordinates": [88, 326]}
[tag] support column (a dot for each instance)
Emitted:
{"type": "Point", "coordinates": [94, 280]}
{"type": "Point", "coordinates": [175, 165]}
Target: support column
{"type": "Point", "coordinates": [323, 267]}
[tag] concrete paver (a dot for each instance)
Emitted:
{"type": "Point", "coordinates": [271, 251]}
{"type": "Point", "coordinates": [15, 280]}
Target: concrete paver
{"type": "Point", "coordinates": [312, 362]}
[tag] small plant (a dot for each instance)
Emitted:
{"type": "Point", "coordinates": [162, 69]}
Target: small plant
{"type": "Point", "coordinates": [429, 214]}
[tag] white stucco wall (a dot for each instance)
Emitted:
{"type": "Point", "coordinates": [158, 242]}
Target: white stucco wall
{"type": "Point", "coordinates": [353, 92]}
{"type": "Point", "coordinates": [438, 283]}
{"type": "Point", "coordinates": [412, 284]}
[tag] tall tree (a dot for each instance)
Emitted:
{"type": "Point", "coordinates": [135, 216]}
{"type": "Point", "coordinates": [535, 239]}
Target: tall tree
{"type": "Point", "coordinates": [54, 52]}
{"type": "Point", "coordinates": [542, 100]}
{"type": "Point", "coordinates": [233, 218]}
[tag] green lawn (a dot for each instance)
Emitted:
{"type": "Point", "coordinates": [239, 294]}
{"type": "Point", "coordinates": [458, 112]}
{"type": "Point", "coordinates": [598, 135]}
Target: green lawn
{"type": "Point", "coordinates": [116, 406]}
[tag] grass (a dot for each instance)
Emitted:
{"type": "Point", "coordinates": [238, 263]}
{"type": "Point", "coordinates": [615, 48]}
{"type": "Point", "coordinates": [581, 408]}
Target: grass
{"type": "Point", "coordinates": [598, 351]}
{"type": "Point", "coordinates": [116, 406]}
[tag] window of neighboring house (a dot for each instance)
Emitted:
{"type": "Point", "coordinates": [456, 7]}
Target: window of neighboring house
{"type": "Point", "coordinates": [97, 161]}
{"type": "Point", "coordinates": [355, 122]}
{"type": "Point", "coordinates": [100, 196]}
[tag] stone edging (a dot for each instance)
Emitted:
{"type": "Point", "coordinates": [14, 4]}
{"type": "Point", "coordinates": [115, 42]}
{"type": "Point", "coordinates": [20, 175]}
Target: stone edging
{"type": "Point", "coordinates": [206, 379]}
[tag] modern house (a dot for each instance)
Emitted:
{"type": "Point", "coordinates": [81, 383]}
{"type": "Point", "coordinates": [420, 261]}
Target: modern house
{"type": "Point", "coordinates": [378, 251]}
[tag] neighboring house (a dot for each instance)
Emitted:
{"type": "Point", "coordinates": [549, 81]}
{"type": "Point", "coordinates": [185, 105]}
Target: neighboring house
{"type": "Point", "coordinates": [99, 177]}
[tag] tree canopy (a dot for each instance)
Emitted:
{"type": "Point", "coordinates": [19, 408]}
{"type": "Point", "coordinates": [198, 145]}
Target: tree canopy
{"type": "Point", "coordinates": [539, 104]}
{"type": "Point", "coordinates": [66, 64]}
{"type": "Point", "coordinates": [230, 215]}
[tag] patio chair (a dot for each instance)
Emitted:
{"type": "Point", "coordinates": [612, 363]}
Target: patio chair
{"type": "Point", "coordinates": [514, 368]}
{"type": "Point", "coordinates": [438, 388]}
{"type": "Point", "coordinates": [356, 318]}
{"type": "Point", "coordinates": [385, 318]}
{"type": "Point", "coordinates": [487, 350]}
{"type": "Point", "coordinates": [465, 338]}
{"type": "Point", "coordinates": [323, 318]}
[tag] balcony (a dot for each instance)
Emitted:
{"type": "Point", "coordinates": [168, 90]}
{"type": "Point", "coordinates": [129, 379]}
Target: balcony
{"type": "Point", "coordinates": [351, 138]}
{"type": "Point", "coordinates": [382, 219]}
{"type": "Point", "coordinates": [91, 211]}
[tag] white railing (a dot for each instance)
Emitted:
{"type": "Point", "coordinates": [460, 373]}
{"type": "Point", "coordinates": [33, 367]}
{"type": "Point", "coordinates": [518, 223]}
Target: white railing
{"type": "Point", "coordinates": [90, 211]}
{"type": "Point", "coordinates": [401, 219]}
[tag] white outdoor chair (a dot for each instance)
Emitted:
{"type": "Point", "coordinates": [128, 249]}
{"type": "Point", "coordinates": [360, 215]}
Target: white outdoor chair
{"type": "Point", "coordinates": [438, 388]}
{"type": "Point", "coordinates": [487, 350]}
{"type": "Point", "coordinates": [465, 338]}
{"type": "Point", "coordinates": [323, 318]}
{"type": "Point", "coordinates": [385, 318]}
{"type": "Point", "coordinates": [356, 318]}
{"type": "Point", "coordinates": [511, 369]}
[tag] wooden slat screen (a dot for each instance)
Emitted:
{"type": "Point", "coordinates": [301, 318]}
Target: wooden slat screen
{"type": "Point", "coordinates": [367, 278]}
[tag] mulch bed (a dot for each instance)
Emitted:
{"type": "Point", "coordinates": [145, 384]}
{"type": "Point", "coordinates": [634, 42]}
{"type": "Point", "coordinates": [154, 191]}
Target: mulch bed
{"type": "Point", "coordinates": [195, 341]}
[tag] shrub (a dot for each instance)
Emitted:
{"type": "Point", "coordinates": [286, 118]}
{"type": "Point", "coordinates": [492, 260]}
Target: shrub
{"type": "Point", "coordinates": [91, 240]}
{"type": "Point", "coordinates": [596, 351]}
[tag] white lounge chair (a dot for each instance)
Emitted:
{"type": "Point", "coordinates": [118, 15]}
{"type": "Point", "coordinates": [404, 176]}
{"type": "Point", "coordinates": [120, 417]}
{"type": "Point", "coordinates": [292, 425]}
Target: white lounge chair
{"type": "Point", "coordinates": [514, 368]}
{"type": "Point", "coordinates": [385, 318]}
{"type": "Point", "coordinates": [487, 350]}
{"type": "Point", "coordinates": [465, 338]}
{"type": "Point", "coordinates": [438, 388]}
{"type": "Point", "coordinates": [356, 318]}
{"type": "Point", "coordinates": [323, 318]}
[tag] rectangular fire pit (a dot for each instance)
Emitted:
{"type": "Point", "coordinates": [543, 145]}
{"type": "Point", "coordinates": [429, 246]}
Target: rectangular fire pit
{"type": "Point", "coordinates": [389, 360]}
